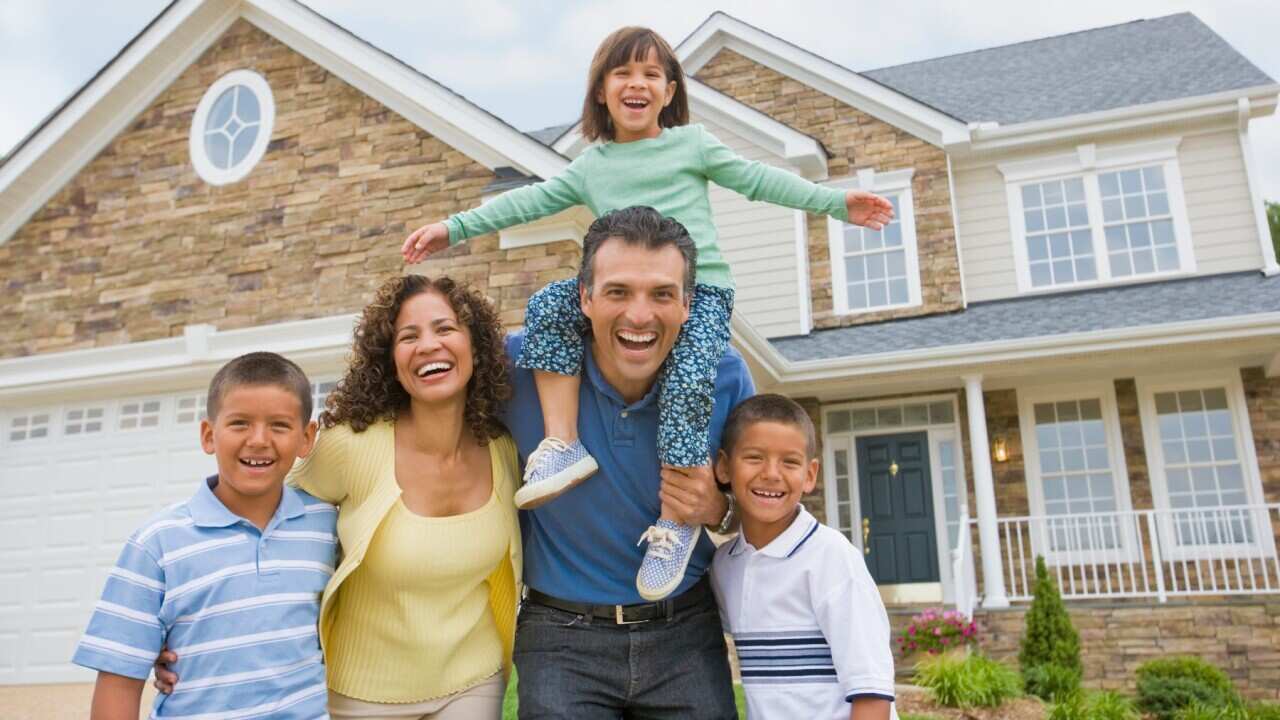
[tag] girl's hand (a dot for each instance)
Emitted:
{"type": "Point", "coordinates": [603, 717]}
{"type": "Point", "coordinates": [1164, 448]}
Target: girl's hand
{"type": "Point", "coordinates": [424, 241]}
{"type": "Point", "coordinates": [868, 209]}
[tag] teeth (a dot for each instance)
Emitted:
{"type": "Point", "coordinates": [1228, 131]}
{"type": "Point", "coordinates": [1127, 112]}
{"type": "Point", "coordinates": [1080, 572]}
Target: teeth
{"type": "Point", "coordinates": [635, 103]}
{"type": "Point", "coordinates": [637, 337]}
{"type": "Point", "coordinates": [765, 493]}
{"type": "Point", "coordinates": [258, 463]}
{"type": "Point", "coordinates": [430, 367]}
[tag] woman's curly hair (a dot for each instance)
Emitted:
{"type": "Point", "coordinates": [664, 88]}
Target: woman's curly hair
{"type": "Point", "coordinates": [370, 390]}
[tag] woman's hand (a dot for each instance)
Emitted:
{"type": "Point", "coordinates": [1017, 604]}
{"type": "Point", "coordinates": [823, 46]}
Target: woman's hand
{"type": "Point", "coordinates": [424, 241]}
{"type": "Point", "coordinates": [868, 209]}
{"type": "Point", "coordinates": [165, 678]}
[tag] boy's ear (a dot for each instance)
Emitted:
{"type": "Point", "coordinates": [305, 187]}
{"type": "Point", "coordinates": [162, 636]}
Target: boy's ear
{"type": "Point", "coordinates": [722, 467]}
{"type": "Point", "coordinates": [206, 436]}
{"type": "Point", "coordinates": [309, 441]}
{"type": "Point", "coordinates": [811, 476]}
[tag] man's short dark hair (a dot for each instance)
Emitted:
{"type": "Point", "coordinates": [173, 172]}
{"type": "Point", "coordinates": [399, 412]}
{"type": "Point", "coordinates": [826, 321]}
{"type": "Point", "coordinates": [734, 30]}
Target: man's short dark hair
{"type": "Point", "coordinates": [259, 368]}
{"type": "Point", "coordinates": [768, 408]}
{"type": "Point", "coordinates": [643, 226]}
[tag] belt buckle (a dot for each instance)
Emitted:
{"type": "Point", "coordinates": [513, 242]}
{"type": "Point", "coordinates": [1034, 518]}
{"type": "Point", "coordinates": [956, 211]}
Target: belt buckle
{"type": "Point", "coordinates": [618, 617]}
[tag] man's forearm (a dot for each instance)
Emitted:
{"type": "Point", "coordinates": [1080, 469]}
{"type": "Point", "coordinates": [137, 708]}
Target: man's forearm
{"type": "Point", "coordinates": [868, 708]}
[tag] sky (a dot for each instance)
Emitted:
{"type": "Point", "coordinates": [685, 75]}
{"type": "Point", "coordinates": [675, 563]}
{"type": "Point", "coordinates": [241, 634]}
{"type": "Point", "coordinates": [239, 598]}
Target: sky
{"type": "Point", "coordinates": [526, 61]}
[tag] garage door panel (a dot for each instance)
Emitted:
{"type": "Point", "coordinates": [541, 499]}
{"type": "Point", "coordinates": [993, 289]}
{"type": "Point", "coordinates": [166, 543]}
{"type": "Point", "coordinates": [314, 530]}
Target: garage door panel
{"type": "Point", "coordinates": [11, 585]}
{"type": "Point", "coordinates": [18, 536]}
{"type": "Point", "coordinates": [24, 481]}
{"type": "Point", "coordinates": [62, 588]}
{"type": "Point", "coordinates": [49, 650]}
{"type": "Point", "coordinates": [134, 470]}
{"type": "Point", "coordinates": [9, 644]}
{"type": "Point", "coordinates": [186, 469]}
{"type": "Point", "coordinates": [119, 522]}
{"type": "Point", "coordinates": [77, 476]}
{"type": "Point", "coordinates": [72, 530]}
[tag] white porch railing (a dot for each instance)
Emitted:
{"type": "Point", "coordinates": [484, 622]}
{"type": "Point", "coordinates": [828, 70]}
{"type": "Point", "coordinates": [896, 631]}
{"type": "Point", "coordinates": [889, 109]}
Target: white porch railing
{"type": "Point", "coordinates": [1141, 553]}
{"type": "Point", "coordinates": [962, 572]}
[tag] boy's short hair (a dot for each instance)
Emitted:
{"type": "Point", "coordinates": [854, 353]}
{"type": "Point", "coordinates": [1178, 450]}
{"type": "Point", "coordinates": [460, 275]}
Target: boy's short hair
{"type": "Point", "coordinates": [768, 407]}
{"type": "Point", "coordinates": [259, 368]}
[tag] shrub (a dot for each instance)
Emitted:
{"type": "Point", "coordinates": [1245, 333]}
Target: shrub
{"type": "Point", "coordinates": [1095, 706]}
{"type": "Point", "coordinates": [1050, 638]}
{"type": "Point", "coordinates": [966, 682]}
{"type": "Point", "coordinates": [1263, 711]}
{"type": "Point", "coordinates": [1199, 711]}
{"type": "Point", "coordinates": [1168, 685]}
{"type": "Point", "coordinates": [936, 630]}
{"type": "Point", "coordinates": [1051, 682]}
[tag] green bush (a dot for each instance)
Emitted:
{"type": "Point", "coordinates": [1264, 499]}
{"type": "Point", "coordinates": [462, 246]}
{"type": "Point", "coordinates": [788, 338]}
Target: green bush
{"type": "Point", "coordinates": [1263, 711]}
{"type": "Point", "coordinates": [1051, 682]}
{"type": "Point", "coordinates": [972, 681]}
{"type": "Point", "coordinates": [1095, 706]}
{"type": "Point", "coordinates": [1050, 638]}
{"type": "Point", "coordinates": [1168, 685]}
{"type": "Point", "coordinates": [1199, 711]}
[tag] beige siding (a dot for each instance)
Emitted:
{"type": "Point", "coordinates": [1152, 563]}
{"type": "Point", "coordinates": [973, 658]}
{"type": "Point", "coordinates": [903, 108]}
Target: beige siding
{"type": "Point", "coordinates": [759, 241]}
{"type": "Point", "coordinates": [1216, 193]}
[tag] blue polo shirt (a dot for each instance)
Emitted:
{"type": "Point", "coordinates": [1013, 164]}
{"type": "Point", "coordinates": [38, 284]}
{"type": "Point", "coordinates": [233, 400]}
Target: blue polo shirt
{"type": "Point", "coordinates": [582, 545]}
{"type": "Point", "coordinates": [237, 604]}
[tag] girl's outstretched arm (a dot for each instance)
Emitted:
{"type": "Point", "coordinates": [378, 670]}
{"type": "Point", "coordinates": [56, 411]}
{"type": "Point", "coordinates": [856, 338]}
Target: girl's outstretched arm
{"type": "Point", "coordinates": [514, 207]}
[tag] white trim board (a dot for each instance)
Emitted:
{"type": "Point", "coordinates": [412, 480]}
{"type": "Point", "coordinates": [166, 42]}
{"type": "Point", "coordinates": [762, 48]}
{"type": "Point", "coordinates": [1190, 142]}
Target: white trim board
{"type": "Point", "coordinates": [104, 108]}
{"type": "Point", "coordinates": [725, 31]}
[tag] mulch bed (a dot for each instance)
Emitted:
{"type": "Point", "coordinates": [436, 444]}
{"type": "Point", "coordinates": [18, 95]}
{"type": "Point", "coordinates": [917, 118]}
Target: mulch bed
{"type": "Point", "coordinates": [915, 700]}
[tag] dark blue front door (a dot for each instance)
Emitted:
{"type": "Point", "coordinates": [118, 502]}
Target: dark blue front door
{"type": "Point", "coordinates": [897, 508]}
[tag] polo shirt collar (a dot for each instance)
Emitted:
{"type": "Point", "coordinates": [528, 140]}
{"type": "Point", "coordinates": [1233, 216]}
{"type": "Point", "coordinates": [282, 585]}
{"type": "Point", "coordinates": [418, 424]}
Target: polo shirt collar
{"type": "Point", "coordinates": [786, 544]}
{"type": "Point", "coordinates": [602, 385]}
{"type": "Point", "coordinates": [208, 511]}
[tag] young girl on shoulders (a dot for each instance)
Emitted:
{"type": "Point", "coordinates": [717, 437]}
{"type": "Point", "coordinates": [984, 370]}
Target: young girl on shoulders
{"type": "Point", "coordinates": [637, 110]}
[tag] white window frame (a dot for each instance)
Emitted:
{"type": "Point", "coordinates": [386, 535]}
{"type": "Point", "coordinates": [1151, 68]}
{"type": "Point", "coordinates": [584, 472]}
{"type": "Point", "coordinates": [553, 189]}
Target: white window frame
{"type": "Point", "coordinates": [1237, 406]}
{"type": "Point", "coordinates": [1087, 163]}
{"type": "Point", "coordinates": [1105, 392]}
{"type": "Point", "coordinates": [937, 433]}
{"type": "Point", "coordinates": [204, 167]}
{"type": "Point", "coordinates": [896, 182]}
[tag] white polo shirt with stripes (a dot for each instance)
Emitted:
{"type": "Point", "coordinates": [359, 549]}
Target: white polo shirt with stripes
{"type": "Point", "coordinates": [239, 606]}
{"type": "Point", "coordinates": [809, 626]}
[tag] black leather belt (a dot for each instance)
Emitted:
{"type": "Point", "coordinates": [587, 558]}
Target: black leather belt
{"type": "Point", "coordinates": [628, 614]}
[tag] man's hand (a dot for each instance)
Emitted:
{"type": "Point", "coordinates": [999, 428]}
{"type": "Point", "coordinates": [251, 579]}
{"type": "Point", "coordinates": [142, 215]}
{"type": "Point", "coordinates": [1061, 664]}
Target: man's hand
{"type": "Point", "coordinates": [424, 241]}
{"type": "Point", "coordinates": [165, 678]}
{"type": "Point", "coordinates": [691, 494]}
{"type": "Point", "coordinates": [866, 209]}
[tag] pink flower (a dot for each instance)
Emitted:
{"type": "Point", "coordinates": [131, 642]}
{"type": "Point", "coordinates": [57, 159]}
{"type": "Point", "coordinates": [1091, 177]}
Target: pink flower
{"type": "Point", "coordinates": [911, 630]}
{"type": "Point", "coordinates": [944, 641]}
{"type": "Point", "coordinates": [937, 631]}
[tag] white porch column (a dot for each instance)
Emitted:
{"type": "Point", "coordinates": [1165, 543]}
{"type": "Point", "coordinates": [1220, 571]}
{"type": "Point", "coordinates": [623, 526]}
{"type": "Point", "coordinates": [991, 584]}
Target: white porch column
{"type": "Point", "coordinates": [984, 491]}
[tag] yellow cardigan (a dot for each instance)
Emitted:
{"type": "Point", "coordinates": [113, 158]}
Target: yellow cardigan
{"type": "Point", "coordinates": [356, 472]}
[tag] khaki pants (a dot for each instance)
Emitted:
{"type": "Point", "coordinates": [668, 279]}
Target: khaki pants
{"type": "Point", "coordinates": [482, 702]}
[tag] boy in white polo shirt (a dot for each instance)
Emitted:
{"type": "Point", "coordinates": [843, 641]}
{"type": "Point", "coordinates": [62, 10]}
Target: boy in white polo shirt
{"type": "Point", "coordinates": [811, 632]}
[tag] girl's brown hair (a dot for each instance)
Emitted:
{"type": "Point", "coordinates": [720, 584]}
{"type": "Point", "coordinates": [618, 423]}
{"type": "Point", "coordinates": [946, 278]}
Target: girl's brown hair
{"type": "Point", "coordinates": [621, 47]}
{"type": "Point", "coordinates": [370, 391]}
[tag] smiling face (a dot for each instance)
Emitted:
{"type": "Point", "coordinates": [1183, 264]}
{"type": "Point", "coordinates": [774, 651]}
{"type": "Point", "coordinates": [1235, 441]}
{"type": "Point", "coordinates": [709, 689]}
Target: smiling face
{"type": "Point", "coordinates": [432, 350]}
{"type": "Point", "coordinates": [255, 437]}
{"type": "Point", "coordinates": [636, 306]}
{"type": "Point", "coordinates": [769, 470]}
{"type": "Point", "coordinates": [635, 94]}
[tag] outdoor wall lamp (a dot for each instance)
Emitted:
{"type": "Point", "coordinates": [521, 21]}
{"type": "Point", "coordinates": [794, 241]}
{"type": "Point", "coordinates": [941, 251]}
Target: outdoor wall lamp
{"type": "Point", "coordinates": [999, 450]}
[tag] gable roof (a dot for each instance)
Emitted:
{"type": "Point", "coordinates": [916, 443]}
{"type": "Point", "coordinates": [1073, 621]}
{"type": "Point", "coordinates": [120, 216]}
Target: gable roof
{"type": "Point", "coordinates": [96, 113]}
{"type": "Point", "coordinates": [1134, 63]}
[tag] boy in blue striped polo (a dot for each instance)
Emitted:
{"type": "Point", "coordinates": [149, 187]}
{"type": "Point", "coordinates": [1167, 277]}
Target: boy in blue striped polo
{"type": "Point", "coordinates": [811, 632]}
{"type": "Point", "coordinates": [230, 579]}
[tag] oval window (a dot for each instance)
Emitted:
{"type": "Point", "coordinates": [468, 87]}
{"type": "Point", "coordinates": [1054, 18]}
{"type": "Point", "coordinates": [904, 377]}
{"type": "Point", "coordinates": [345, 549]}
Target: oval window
{"type": "Point", "coordinates": [231, 127]}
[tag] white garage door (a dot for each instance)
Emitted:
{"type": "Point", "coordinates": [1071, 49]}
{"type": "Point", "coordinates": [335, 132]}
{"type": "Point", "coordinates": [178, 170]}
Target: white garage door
{"type": "Point", "coordinates": [75, 481]}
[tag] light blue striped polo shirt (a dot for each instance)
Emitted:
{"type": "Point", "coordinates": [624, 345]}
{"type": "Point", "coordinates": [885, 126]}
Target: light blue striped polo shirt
{"type": "Point", "coordinates": [239, 606]}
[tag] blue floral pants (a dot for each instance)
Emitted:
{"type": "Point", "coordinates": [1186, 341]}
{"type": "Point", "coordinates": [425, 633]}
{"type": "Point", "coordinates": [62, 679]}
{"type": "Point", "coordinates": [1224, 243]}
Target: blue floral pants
{"type": "Point", "coordinates": [555, 329]}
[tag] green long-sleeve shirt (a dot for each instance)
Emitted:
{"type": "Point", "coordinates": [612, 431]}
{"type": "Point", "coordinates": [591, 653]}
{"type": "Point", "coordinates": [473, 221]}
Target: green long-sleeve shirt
{"type": "Point", "coordinates": [668, 173]}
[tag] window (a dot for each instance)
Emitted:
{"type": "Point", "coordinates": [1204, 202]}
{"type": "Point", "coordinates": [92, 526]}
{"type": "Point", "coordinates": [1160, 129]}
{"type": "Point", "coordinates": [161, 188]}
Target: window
{"type": "Point", "coordinates": [319, 392]}
{"type": "Point", "coordinates": [954, 493]}
{"type": "Point", "coordinates": [83, 421]}
{"type": "Point", "coordinates": [1101, 215]}
{"type": "Point", "coordinates": [877, 269]}
{"type": "Point", "coordinates": [231, 127]}
{"type": "Point", "coordinates": [32, 426]}
{"type": "Point", "coordinates": [1075, 470]}
{"type": "Point", "coordinates": [137, 414]}
{"type": "Point", "coordinates": [1203, 467]}
{"type": "Point", "coordinates": [191, 408]}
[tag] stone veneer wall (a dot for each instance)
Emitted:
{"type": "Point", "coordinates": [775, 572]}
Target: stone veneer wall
{"type": "Point", "coordinates": [137, 246]}
{"type": "Point", "coordinates": [1240, 636]}
{"type": "Point", "coordinates": [855, 140]}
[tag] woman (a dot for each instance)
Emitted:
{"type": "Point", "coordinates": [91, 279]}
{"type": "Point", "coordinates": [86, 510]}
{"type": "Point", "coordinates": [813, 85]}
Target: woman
{"type": "Point", "coordinates": [418, 619]}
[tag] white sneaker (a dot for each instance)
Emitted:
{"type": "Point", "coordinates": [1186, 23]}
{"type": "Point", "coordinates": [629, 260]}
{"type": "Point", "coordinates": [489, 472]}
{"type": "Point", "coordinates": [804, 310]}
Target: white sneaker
{"type": "Point", "coordinates": [554, 468]}
{"type": "Point", "coordinates": [670, 547]}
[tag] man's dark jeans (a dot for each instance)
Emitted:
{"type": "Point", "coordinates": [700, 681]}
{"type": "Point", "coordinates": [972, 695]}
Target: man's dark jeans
{"type": "Point", "coordinates": [571, 666]}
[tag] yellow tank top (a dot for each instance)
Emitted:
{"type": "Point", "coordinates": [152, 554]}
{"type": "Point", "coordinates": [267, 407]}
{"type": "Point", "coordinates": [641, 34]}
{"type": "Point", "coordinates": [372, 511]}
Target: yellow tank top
{"type": "Point", "coordinates": [413, 620]}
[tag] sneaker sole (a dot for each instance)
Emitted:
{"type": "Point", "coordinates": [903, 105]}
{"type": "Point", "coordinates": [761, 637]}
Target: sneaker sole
{"type": "Point", "coordinates": [661, 593]}
{"type": "Point", "coordinates": [529, 497]}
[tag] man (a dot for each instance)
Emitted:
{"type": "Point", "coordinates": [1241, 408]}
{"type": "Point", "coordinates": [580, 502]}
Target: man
{"type": "Point", "coordinates": [586, 644]}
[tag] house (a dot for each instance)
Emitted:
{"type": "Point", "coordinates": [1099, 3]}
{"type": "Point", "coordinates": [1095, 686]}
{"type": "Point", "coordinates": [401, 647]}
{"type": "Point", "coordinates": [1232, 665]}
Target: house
{"type": "Point", "coordinates": [1067, 344]}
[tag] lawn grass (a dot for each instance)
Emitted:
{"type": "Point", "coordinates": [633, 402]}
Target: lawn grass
{"type": "Point", "coordinates": [509, 703]}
